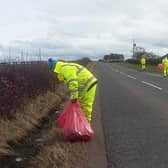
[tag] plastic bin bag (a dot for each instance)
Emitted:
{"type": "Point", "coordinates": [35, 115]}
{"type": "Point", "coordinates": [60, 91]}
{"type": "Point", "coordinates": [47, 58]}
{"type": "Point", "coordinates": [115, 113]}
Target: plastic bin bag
{"type": "Point", "coordinates": [160, 67]}
{"type": "Point", "coordinates": [74, 123]}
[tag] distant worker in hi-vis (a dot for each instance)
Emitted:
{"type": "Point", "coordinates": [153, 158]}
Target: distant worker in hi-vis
{"type": "Point", "coordinates": [143, 62]}
{"type": "Point", "coordinates": [80, 81]}
{"type": "Point", "coordinates": [165, 66]}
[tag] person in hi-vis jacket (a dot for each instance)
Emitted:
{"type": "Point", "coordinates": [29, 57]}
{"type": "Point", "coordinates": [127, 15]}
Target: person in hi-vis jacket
{"type": "Point", "coordinates": [80, 82]}
{"type": "Point", "coordinates": [165, 66]}
{"type": "Point", "coordinates": [143, 62]}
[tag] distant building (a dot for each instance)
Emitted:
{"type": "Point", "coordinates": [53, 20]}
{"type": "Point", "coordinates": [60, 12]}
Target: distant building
{"type": "Point", "coordinates": [139, 51]}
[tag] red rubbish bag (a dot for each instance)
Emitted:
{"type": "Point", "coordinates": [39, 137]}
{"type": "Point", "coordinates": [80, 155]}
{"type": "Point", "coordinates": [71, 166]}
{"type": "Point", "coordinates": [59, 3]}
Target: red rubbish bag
{"type": "Point", "coordinates": [74, 123]}
{"type": "Point", "coordinates": [160, 67]}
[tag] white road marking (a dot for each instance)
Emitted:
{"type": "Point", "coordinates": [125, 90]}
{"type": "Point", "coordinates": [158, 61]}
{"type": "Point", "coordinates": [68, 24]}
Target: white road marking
{"type": "Point", "coordinates": [132, 77]}
{"type": "Point", "coordinates": [150, 84]}
{"type": "Point", "coordinates": [123, 73]}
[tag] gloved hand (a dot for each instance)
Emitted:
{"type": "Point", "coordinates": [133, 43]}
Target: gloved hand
{"type": "Point", "coordinates": [74, 100]}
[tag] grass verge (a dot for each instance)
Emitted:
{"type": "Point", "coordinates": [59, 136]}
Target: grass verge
{"type": "Point", "coordinates": [27, 118]}
{"type": "Point", "coordinates": [149, 68]}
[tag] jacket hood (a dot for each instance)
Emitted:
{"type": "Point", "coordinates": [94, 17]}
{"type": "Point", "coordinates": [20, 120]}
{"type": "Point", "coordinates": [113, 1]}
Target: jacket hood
{"type": "Point", "coordinates": [58, 66]}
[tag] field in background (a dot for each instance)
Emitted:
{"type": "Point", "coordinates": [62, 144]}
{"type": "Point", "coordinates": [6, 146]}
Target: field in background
{"type": "Point", "coordinates": [149, 68]}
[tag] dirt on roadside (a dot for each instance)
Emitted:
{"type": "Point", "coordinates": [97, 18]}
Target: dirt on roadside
{"type": "Point", "coordinates": [58, 153]}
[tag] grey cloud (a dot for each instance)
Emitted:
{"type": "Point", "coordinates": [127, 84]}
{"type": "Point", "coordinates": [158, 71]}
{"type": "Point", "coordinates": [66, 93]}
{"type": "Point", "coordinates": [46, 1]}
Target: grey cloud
{"type": "Point", "coordinates": [83, 28]}
{"type": "Point", "coordinates": [45, 44]}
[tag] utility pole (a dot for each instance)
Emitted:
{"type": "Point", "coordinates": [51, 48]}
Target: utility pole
{"type": "Point", "coordinates": [22, 56]}
{"type": "Point", "coordinates": [26, 56]}
{"type": "Point", "coordinates": [39, 54]}
{"type": "Point", "coordinates": [9, 59]}
{"type": "Point", "coordinates": [134, 46]}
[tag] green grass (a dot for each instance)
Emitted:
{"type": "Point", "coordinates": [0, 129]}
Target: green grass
{"type": "Point", "coordinates": [149, 68]}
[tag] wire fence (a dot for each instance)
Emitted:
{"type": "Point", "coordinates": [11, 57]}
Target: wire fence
{"type": "Point", "coordinates": [13, 56]}
{"type": "Point", "coordinates": [18, 60]}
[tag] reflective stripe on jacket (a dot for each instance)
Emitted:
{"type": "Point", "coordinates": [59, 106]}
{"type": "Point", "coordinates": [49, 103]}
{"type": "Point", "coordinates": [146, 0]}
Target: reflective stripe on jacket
{"type": "Point", "coordinates": [77, 77]}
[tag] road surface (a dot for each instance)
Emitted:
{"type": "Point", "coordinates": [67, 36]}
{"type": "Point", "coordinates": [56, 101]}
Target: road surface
{"type": "Point", "coordinates": [134, 108]}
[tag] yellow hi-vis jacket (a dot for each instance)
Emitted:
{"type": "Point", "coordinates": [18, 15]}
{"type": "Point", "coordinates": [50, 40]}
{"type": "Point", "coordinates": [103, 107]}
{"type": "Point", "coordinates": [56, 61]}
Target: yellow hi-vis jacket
{"type": "Point", "coordinates": [76, 77]}
{"type": "Point", "coordinates": [165, 62]}
{"type": "Point", "coordinates": [143, 61]}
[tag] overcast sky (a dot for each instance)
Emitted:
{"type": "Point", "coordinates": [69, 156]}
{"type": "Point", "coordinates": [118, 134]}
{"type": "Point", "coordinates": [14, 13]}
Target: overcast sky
{"type": "Point", "coordinates": [78, 28]}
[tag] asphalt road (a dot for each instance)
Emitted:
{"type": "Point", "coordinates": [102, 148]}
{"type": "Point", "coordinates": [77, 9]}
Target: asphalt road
{"type": "Point", "coordinates": [134, 108]}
